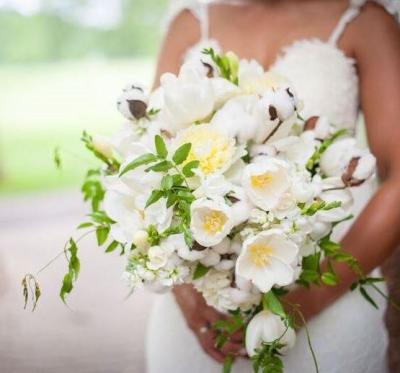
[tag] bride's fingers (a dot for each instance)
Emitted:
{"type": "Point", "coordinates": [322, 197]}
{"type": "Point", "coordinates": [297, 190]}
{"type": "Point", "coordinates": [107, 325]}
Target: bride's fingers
{"type": "Point", "coordinates": [207, 342]}
{"type": "Point", "coordinates": [237, 337]}
{"type": "Point", "coordinates": [231, 348]}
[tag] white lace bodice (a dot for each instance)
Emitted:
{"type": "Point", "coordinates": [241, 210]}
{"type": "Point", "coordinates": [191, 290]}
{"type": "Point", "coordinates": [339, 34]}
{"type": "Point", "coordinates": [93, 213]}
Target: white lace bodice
{"type": "Point", "coordinates": [322, 75]}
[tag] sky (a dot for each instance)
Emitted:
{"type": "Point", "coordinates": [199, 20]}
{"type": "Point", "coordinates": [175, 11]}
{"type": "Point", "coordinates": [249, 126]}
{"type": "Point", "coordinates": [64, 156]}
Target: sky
{"type": "Point", "coordinates": [96, 13]}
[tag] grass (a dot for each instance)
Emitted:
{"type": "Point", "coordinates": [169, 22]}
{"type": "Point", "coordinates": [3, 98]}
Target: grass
{"type": "Point", "coordinates": [48, 105]}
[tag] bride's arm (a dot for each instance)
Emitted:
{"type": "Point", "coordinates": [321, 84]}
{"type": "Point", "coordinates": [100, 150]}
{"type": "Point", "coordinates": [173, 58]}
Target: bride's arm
{"type": "Point", "coordinates": [376, 233]}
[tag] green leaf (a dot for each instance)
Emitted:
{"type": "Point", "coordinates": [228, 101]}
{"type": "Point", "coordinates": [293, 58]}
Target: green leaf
{"type": "Point", "coordinates": [328, 246]}
{"type": "Point", "coordinates": [189, 167]}
{"type": "Point", "coordinates": [273, 304]}
{"type": "Point", "coordinates": [139, 161]}
{"type": "Point", "coordinates": [102, 234]}
{"type": "Point", "coordinates": [73, 270]}
{"type": "Point", "coordinates": [228, 362]}
{"type": "Point", "coordinates": [181, 153]}
{"type": "Point", "coordinates": [161, 149]}
{"type": "Point", "coordinates": [160, 167]}
{"type": "Point", "coordinates": [186, 196]}
{"type": "Point", "coordinates": [368, 297]}
{"type": "Point", "coordinates": [167, 182]}
{"type": "Point", "coordinates": [66, 287]}
{"type": "Point", "coordinates": [85, 225]}
{"type": "Point", "coordinates": [200, 271]}
{"type": "Point", "coordinates": [329, 278]}
{"type": "Point", "coordinates": [112, 246]}
{"type": "Point", "coordinates": [177, 179]}
{"type": "Point", "coordinates": [154, 197]}
{"type": "Point", "coordinates": [171, 199]}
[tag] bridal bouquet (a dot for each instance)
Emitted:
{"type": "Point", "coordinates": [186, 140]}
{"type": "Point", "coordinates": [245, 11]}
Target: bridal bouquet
{"type": "Point", "coordinates": [217, 181]}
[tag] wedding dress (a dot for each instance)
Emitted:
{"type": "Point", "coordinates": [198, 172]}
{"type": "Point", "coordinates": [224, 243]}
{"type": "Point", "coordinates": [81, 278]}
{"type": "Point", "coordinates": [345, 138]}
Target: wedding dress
{"type": "Point", "coordinates": [350, 335]}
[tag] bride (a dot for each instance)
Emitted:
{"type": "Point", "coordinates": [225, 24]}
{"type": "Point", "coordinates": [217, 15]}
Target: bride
{"type": "Point", "coordinates": [339, 56]}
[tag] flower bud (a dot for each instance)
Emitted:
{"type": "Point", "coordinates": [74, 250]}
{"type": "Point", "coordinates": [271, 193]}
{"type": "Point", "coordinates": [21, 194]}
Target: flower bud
{"type": "Point", "coordinates": [102, 145]}
{"type": "Point", "coordinates": [140, 239]}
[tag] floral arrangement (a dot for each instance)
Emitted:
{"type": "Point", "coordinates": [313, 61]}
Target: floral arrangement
{"type": "Point", "coordinates": [216, 180]}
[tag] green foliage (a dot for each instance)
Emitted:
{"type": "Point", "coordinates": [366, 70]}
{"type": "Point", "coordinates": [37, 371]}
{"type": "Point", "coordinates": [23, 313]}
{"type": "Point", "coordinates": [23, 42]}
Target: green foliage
{"type": "Point", "coordinates": [189, 167]}
{"type": "Point", "coordinates": [92, 189]}
{"type": "Point", "coordinates": [226, 328]}
{"type": "Point", "coordinates": [320, 206]}
{"type": "Point", "coordinates": [181, 153]}
{"type": "Point", "coordinates": [227, 366]}
{"type": "Point", "coordinates": [49, 36]}
{"type": "Point", "coordinates": [71, 276]}
{"type": "Point", "coordinates": [200, 271]}
{"type": "Point", "coordinates": [272, 303]}
{"type": "Point", "coordinates": [139, 161]}
{"type": "Point", "coordinates": [162, 151]}
{"type": "Point", "coordinates": [227, 64]}
{"type": "Point", "coordinates": [267, 358]}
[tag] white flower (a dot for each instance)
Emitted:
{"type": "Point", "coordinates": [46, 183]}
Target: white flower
{"type": "Point", "coordinates": [211, 221]}
{"type": "Point", "coordinates": [215, 151]}
{"type": "Point", "coordinates": [267, 327]}
{"type": "Point", "coordinates": [183, 250]}
{"type": "Point", "coordinates": [298, 149]}
{"type": "Point", "coordinates": [187, 99]}
{"type": "Point", "coordinates": [133, 102]}
{"type": "Point", "coordinates": [103, 145]}
{"type": "Point", "coordinates": [213, 186]}
{"type": "Point", "coordinates": [121, 208]}
{"type": "Point", "coordinates": [266, 182]}
{"type": "Point", "coordinates": [240, 118]}
{"type": "Point", "coordinates": [267, 260]}
{"type": "Point", "coordinates": [253, 79]}
{"type": "Point", "coordinates": [158, 215]}
{"type": "Point", "coordinates": [140, 239]}
{"type": "Point", "coordinates": [343, 196]}
{"type": "Point", "coordinates": [158, 256]}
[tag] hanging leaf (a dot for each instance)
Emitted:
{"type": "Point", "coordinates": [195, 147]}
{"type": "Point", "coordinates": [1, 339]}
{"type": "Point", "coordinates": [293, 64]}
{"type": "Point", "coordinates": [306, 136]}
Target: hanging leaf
{"type": "Point", "coordinates": [200, 271]}
{"type": "Point", "coordinates": [112, 246]}
{"type": "Point", "coordinates": [272, 303]}
{"type": "Point", "coordinates": [102, 234]}
{"type": "Point", "coordinates": [154, 197]}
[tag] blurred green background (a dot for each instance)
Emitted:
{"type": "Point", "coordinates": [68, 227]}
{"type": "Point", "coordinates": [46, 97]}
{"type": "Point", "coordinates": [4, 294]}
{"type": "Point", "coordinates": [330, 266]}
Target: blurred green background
{"type": "Point", "coordinates": [62, 66]}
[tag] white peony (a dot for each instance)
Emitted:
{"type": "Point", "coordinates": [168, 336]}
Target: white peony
{"type": "Point", "coordinates": [215, 151]}
{"type": "Point", "coordinates": [253, 79]}
{"type": "Point", "coordinates": [266, 182]}
{"type": "Point", "coordinates": [267, 327]}
{"type": "Point", "coordinates": [266, 260]}
{"type": "Point", "coordinates": [211, 221]}
{"type": "Point", "coordinates": [187, 99]}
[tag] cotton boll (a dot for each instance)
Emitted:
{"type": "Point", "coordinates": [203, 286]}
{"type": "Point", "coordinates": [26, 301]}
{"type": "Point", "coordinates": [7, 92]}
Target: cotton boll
{"type": "Point", "coordinates": [279, 104]}
{"type": "Point", "coordinates": [337, 156]}
{"type": "Point", "coordinates": [359, 169]}
{"type": "Point", "coordinates": [132, 104]}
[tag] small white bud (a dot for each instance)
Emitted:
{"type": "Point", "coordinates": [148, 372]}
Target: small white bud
{"type": "Point", "coordinates": [140, 239]}
{"type": "Point", "coordinates": [102, 145]}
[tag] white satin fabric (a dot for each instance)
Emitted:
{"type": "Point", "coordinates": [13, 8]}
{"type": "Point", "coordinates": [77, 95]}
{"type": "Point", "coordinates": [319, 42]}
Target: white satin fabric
{"type": "Point", "coordinates": [350, 335]}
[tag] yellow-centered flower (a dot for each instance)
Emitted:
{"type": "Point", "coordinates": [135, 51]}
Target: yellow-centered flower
{"type": "Point", "coordinates": [214, 221]}
{"type": "Point", "coordinates": [259, 254]}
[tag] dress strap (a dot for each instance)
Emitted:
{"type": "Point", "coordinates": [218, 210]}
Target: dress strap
{"type": "Point", "coordinates": [352, 12]}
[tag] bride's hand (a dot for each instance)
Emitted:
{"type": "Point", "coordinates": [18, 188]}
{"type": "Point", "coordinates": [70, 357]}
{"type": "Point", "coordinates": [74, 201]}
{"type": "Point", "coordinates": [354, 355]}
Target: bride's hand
{"type": "Point", "coordinates": [200, 317]}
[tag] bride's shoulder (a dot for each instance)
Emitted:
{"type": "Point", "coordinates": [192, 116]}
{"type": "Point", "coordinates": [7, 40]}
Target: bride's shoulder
{"type": "Point", "coordinates": [375, 23]}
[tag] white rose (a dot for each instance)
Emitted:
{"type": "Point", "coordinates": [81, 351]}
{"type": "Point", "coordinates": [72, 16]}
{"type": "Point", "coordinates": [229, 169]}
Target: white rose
{"type": "Point", "coordinates": [266, 260]}
{"type": "Point", "coordinates": [267, 327]}
{"type": "Point", "coordinates": [266, 182]}
{"type": "Point", "coordinates": [211, 221]}
{"type": "Point", "coordinates": [158, 257]}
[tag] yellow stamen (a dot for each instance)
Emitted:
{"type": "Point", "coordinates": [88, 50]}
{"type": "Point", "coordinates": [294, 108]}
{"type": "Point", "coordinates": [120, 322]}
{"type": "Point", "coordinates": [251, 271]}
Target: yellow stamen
{"type": "Point", "coordinates": [214, 222]}
{"type": "Point", "coordinates": [261, 181]}
{"type": "Point", "coordinates": [259, 254]}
